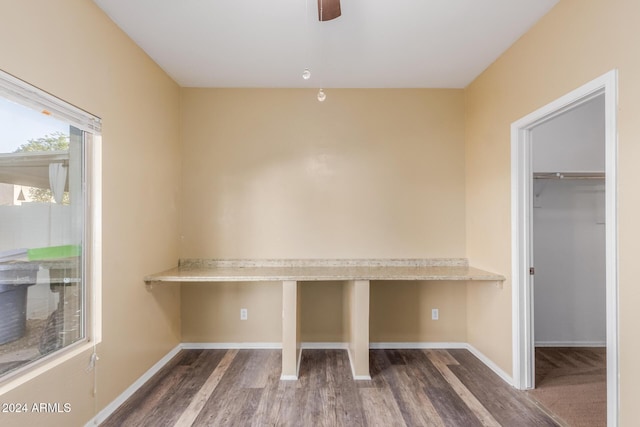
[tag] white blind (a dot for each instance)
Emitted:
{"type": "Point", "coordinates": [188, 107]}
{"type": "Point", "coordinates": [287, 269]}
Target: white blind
{"type": "Point", "coordinates": [23, 93]}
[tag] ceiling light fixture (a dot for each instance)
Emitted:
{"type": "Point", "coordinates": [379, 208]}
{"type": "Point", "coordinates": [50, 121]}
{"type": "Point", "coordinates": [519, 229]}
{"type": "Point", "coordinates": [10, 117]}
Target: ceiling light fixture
{"type": "Point", "coordinates": [327, 10]}
{"type": "Point", "coordinates": [306, 73]}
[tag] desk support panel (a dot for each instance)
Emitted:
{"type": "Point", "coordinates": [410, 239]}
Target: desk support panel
{"type": "Point", "coordinates": [291, 349]}
{"type": "Point", "coordinates": [357, 327]}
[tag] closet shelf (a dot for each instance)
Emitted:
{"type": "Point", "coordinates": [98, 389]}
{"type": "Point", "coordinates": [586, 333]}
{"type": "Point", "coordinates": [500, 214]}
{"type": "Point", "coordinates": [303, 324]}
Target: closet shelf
{"type": "Point", "coordinates": [568, 175]}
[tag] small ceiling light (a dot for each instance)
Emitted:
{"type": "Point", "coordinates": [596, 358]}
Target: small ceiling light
{"type": "Point", "coordinates": [321, 95]}
{"type": "Point", "coordinates": [306, 74]}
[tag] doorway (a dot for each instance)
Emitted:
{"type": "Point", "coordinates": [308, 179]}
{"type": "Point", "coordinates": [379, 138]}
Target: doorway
{"type": "Point", "coordinates": [568, 221]}
{"type": "Point", "coordinates": [523, 194]}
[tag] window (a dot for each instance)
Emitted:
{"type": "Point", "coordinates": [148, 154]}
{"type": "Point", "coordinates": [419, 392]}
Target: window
{"type": "Point", "coordinates": [47, 231]}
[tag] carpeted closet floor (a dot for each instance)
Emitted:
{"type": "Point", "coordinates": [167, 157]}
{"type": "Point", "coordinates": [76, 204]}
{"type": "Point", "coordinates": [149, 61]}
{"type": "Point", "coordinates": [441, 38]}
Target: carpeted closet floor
{"type": "Point", "coordinates": [571, 383]}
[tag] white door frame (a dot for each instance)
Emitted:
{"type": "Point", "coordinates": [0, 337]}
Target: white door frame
{"type": "Point", "coordinates": [521, 232]}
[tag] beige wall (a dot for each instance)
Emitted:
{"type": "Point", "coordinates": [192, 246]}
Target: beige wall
{"type": "Point", "coordinates": [211, 312]}
{"type": "Point", "coordinates": [72, 50]}
{"type": "Point", "coordinates": [575, 43]}
{"type": "Point", "coordinates": [324, 312]}
{"type": "Point", "coordinates": [366, 174]}
{"type": "Point", "coordinates": [400, 312]}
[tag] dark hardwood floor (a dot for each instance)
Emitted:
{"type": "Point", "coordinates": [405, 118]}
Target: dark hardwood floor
{"type": "Point", "coordinates": [408, 388]}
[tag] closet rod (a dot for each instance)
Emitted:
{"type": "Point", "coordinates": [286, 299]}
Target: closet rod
{"type": "Point", "coordinates": [568, 175]}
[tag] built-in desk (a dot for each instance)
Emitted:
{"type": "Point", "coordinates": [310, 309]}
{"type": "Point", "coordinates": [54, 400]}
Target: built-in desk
{"type": "Point", "coordinates": [357, 275]}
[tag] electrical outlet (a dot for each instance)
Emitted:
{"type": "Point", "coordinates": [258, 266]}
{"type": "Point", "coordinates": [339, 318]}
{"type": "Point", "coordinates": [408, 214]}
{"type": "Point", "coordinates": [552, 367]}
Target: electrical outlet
{"type": "Point", "coordinates": [244, 314]}
{"type": "Point", "coordinates": [434, 314]}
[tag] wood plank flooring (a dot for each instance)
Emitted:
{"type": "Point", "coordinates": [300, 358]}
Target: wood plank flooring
{"type": "Point", "coordinates": [408, 388]}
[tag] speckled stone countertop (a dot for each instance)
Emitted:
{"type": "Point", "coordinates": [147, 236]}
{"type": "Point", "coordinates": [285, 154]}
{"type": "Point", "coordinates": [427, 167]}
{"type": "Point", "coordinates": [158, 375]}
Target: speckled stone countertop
{"type": "Point", "coordinates": [202, 270]}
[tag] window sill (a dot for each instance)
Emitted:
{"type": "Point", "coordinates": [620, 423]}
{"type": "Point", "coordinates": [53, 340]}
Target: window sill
{"type": "Point", "coordinates": [22, 375]}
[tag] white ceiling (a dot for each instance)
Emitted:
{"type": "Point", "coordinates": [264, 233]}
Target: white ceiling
{"type": "Point", "coordinates": [375, 43]}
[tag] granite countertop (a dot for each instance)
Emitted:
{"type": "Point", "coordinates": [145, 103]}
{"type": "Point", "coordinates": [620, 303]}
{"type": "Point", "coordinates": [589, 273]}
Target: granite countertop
{"type": "Point", "coordinates": [322, 270]}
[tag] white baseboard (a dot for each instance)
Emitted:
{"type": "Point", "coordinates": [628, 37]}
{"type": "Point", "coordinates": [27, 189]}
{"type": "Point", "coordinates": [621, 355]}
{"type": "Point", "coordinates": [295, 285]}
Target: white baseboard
{"type": "Point", "coordinates": [111, 407]}
{"type": "Point", "coordinates": [299, 362]}
{"type": "Point", "coordinates": [570, 344]}
{"type": "Point", "coordinates": [230, 345]}
{"type": "Point", "coordinates": [490, 364]}
{"type": "Point", "coordinates": [416, 345]}
{"type": "Point", "coordinates": [325, 345]}
{"type": "Point", "coordinates": [261, 345]}
{"type": "Point", "coordinates": [353, 371]}
{"type": "Point", "coordinates": [297, 375]}
{"type": "Point", "coordinates": [362, 377]}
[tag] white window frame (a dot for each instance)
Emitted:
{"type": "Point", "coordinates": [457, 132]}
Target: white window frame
{"type": "Point", "coordinates": [23, 93]}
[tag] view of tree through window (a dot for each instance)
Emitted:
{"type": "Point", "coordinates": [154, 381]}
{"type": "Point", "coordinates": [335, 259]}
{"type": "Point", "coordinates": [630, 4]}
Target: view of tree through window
{"type": "Point", "coordinates": [54, 142]}
{"type": "Point", "coordinates": [42, 211]}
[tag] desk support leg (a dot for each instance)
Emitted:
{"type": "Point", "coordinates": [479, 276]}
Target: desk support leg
{"type": "Point", "coordinates": [357, 295]}
{"type": "Point", "coordinates": [291, 350]}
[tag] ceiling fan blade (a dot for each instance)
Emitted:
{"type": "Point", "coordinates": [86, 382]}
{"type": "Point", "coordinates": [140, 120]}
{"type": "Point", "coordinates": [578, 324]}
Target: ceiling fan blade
{"type": "Point", "coordinates": [328, 9]}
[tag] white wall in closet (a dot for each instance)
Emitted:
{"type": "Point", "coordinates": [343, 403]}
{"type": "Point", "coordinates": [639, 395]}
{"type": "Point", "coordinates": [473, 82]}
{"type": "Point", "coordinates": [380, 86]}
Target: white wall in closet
{"type": "Point", "coordinates": [569, 232]}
